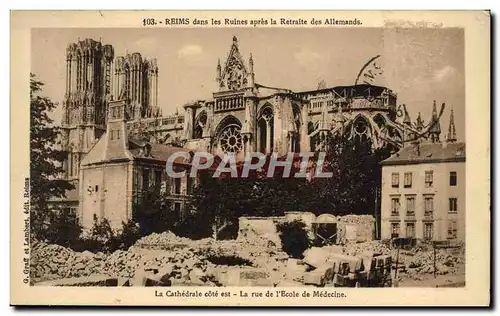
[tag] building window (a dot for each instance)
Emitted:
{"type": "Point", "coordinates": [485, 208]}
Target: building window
{"type": "Point", "coordinates": [395, 180]}
{"type": "Point", "coordinates": [96, 188]}
{"type": "Point", "coordinates": [189, 186]}
{"type": "Point", "coordinates": [177, 210]}
{"type": "Point", "coordinates": [158, 178]}
{"type": "Point", "coordinates": [453, 178]}
{"type": "Point", "coordinates": [70, 165]}
{"type": "Point", "coordinates": [394, 230]}
{"type": "Point", "coordinates": [177, 185]}
{"type": "Point", "coordinates": [117, 134]}
{"type": "Point", "coordinates": [145, 179]}
{"type": "Point", "coordinates": [395, 206]}
{"type": "Point", "coordinates": [410, 206]}
{"type": "Point", "coordinates": [428, 206]}
{"type": "Point", "coordinates": [453, 203]}
{"type": "Point", "coordinates": [410, 230]}
{"type": "Point", "coordinates": [428, 231]}
{"type": "Point", "coordinates": [111, 135]}
{"type": "Point", "coordinates": [407, 179]}
{"type": "Point", "coordinates": [429, 177]}
{"type": "Point", "coordinates": [452, 229]}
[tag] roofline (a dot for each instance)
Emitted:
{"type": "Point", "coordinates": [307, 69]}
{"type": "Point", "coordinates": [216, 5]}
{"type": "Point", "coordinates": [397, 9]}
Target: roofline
{"type": "Point", "coordinates": [421, 161]}
{"type": "Point", "coordinates": [339, 87]}
{"type": "Point", "coordinates": [118, 160]}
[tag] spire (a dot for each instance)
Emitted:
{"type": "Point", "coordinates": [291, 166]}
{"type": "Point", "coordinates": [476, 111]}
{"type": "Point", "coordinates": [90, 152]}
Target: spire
{"type": "Point", "coordinates": [218, 71]}
{"type": "Point", "coordinates": [435, 129]}
{"type": "Point", "coordinates": [406, 119]}
{"type": "Point", "coordinates": [420, 123]}
{"type": "Point", "coordinates": [452, 135]}
{"type": "Point", "coordinates": [250, 64]}
{"type": "Point", "coordinates": [251, 75]}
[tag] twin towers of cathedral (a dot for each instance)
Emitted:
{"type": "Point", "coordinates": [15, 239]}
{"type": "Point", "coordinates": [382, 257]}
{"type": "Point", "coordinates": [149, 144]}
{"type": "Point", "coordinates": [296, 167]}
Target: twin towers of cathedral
{"type": "Point", "coordinates": [94, 77]}
{"type": "Point", "coordinates": [90, 83]}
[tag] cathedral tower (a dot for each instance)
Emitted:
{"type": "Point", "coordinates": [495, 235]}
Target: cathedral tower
{"type": "Point", "coordinates": [136, 83]}
{"type": "Point", "coordinates": [88, 90]}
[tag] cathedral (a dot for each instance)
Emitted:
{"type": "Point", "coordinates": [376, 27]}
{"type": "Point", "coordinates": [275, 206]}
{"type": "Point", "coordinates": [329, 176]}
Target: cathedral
{"type": "Point", "coordinates": [112, 119]}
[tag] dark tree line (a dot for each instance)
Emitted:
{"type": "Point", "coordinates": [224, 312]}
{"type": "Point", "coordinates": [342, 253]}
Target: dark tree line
{"type": "Point", "coordinates": [46, 159]}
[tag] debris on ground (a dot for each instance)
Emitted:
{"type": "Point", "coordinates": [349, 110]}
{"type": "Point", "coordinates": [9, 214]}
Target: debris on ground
{"type": "Point", "coordinates": [168, 260]}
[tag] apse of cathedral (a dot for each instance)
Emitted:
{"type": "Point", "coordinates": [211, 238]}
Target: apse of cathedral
{"type": "Point", "coordinates": [243, 116]}
{"type": "Point", "coordinates": [246, 116]}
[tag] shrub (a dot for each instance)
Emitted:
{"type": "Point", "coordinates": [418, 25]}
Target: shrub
{"type": "Point", "coordinates": [63, 228]}
{"type": "Point", "coordinates": [129, 235]}
{"type": "Point", "coordinates": [294, 238]}
{"type": "Point", "coordinates": [192, 226]}
{"type": "Point", "coordinates": [100, 238]}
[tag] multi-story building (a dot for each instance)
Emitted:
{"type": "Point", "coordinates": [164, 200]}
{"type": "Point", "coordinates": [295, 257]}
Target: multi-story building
{"type": "Point", "coordinates": [120, 169]}
{"type": "Point", "coordinates": [423, 191]}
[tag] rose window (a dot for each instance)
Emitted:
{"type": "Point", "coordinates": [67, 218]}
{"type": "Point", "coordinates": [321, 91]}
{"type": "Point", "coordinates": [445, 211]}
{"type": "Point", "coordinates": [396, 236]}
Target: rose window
{"type": "Point", "coordinates": [230, 139]}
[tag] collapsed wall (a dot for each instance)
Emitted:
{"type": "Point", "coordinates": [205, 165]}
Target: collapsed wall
{"type": "Point", "coordinates": [348, 228]}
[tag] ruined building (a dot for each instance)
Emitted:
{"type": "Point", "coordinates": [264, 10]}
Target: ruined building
{"type": "Point", "coordinates": [245, 116]}
{"type": "Point", "coordinates": [242, 116]}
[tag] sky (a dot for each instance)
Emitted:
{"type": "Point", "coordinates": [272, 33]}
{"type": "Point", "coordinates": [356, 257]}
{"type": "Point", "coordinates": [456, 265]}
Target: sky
{"type": "Point", "coordinates": [420, 65]}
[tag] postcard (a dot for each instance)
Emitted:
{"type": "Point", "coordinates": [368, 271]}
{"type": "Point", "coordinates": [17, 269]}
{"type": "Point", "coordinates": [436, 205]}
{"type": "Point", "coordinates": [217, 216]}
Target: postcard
{"type": "Point", "coordinates": [250, 158]}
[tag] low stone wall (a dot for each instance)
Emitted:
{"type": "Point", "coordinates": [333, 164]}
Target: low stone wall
{"type": "Point", "coordinates": [359, 228]}
{"type": "Point", "coordinates": [350, 228]}
{"type": "Point", "coordinates": [259, 228]}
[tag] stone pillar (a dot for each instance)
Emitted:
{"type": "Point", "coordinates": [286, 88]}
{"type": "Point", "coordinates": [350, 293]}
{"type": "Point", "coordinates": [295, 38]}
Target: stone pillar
{"type": "Point", "coordinates": [140, 86]}
{"type": "Point", "coordinates": [268, 136]}
{"type": "Point", "coordinates": [73, 73]}
{"type": "Point", "coordinates": [132, 83]}
{"type": "Point", "coordinates": [304, 136]}
{"type": "Point", "coordinates": [85, 70]}
{"type": "Point", "coordinates": [280, 124]}
{"type": "Point", "coordinates": [156, 88]}
{"type": "Point", "coordinates": [188, 122]}
{"type": "Point", "coordinates": [68, 75]}
{"type": "Point", "coordinates": [91, 70]}
{"type": "Point", "coordinates": [117, 84]}
{"type": "Point", "coordinates": [81, 78]}
{"type": "Point", "coordinates": [250, 118]}
{"type": "Point", "coordinates": [207, 129]}
{"type": "Point", "coordinates": [150, 88]}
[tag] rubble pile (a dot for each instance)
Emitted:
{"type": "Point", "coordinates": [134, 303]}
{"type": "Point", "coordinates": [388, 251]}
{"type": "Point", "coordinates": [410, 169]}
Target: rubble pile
{"type": "Point", "coordinates": [164, 256]}
{"type": "Point", "coordinates": [167, 240]}
{"type": "Point", "coordinates": [49, 262]}
{"type": "Point", "coordinates": [423, 262]}
{"type": "Point", "coordinates": [168, 260]}
{"type": "Point", "coordinates": [375, 246]}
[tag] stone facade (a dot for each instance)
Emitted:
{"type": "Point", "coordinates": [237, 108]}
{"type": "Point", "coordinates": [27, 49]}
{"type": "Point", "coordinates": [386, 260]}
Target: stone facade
{"type": "Point", "coordinates": [119, 169]}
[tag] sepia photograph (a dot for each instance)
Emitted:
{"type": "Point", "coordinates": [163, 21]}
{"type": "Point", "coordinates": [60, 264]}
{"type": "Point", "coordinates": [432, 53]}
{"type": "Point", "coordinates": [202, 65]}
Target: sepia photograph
{"type": "Point", "coordinates": [182, 158]}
